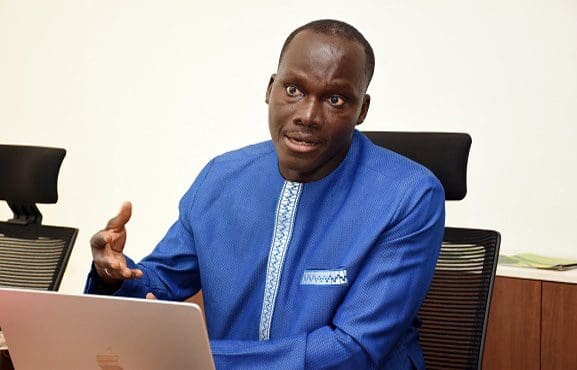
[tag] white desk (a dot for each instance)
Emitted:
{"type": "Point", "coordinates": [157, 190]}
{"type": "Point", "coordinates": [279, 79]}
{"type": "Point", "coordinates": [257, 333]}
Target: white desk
{"type": "Point", "coordinates": [569, 276]}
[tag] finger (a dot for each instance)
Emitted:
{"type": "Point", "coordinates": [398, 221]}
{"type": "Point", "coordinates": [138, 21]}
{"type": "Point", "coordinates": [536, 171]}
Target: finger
{"type": "Point", "coordinates": [121, 271]}
{"type": "Point", "coordinates": [136, 273]}
{"type": "Point", "coordinates": [114, 272]}
{"type": "Point", "coordinates": [106, 273]}
{"type": "Point", "coordinates": [100, 239]}
{"type": "Point", "coordinates": [120, 268]}
{"type": "Point", "coordinates": [128, 274]}
{"type": "Point", "coordinates": [111, 266]}
{"type": "Point", "coordinates": [118, 221]}
{"type": "Point", "coordinates": [150, 296]}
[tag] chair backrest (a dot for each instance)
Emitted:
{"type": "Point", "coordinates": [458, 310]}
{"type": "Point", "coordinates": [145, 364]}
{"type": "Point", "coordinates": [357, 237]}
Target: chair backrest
{"type": "Point", "coordinates": [444, 153]}
{"type": "Point", "coordinates": [32, 255]}
{"type": "Point", "coordinates": [455, 311]}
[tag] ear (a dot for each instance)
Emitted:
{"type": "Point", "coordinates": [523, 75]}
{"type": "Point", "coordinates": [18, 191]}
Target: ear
{"type": "Point", "coordinates": [364, 108]}
{"type": "Point", "coordinates": [269, 87]}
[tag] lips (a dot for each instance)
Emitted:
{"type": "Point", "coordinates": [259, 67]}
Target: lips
{"type": "Point", "coordinates": [301, 143]}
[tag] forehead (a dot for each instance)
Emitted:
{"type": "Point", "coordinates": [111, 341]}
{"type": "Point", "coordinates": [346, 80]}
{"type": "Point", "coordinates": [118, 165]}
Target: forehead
{"type": "Point", "coordinates": [322, 57]}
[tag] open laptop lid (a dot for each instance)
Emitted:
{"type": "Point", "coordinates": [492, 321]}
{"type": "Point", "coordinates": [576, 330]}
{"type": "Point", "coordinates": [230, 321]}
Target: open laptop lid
{"type": "Point", "coordinates": [49, 330]}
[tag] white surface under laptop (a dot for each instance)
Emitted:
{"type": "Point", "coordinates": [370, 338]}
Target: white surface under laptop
{"type": "Point", "coordinates": [49, 330]}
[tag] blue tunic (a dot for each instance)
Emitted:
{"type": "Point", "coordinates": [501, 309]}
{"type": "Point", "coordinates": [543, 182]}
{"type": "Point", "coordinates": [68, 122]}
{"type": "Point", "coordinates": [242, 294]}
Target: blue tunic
{"type": "Point", "coordinates": [327, 274]}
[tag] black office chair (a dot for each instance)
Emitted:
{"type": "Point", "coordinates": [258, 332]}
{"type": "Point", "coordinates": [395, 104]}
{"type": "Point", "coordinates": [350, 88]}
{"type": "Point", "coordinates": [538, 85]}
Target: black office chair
{"type": "Point", "coordinates": [32, 255]}
{"type": "Point", "coordinates": [455, 311]}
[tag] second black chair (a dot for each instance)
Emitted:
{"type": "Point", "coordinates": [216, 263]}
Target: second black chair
{"type": "Point", "coordinates": [32, 255]}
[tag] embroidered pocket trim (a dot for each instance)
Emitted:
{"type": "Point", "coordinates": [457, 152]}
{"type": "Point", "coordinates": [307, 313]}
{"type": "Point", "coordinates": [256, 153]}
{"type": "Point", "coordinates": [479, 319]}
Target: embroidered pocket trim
{"type": "Point", "coordinates": [325, 277]}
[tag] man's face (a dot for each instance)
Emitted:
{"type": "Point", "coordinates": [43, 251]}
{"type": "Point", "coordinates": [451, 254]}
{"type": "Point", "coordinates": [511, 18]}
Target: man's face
{"type": "Point", "coordinates": [316, 99]}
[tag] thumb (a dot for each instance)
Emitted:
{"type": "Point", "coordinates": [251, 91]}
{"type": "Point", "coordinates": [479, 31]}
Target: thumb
{"type": "Point", "coordinates": [150, 296]}
{"type": "Point", "coordinates": [118, 221]}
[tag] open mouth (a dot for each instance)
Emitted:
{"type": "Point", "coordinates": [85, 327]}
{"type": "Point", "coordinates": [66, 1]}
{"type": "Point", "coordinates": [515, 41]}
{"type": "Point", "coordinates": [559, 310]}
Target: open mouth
{"type": "Point", "coordinates": [301, 144]}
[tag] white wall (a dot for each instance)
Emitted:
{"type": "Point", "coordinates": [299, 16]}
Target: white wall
{"type": "Point", "coordinates": [142, 93]}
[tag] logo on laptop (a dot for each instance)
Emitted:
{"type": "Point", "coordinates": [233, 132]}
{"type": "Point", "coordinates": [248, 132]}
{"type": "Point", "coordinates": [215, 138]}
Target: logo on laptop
{"type": "Point", "coordinates": [108, 360]}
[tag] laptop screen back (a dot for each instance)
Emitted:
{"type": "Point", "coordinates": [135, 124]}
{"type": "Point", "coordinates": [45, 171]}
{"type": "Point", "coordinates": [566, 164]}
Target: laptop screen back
{"type": "Point", "coordinates": [49, 330]}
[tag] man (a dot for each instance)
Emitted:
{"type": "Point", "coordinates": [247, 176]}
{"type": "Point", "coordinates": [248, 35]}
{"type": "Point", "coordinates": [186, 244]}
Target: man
{"type": "Point", "coordinates": [313, 250]}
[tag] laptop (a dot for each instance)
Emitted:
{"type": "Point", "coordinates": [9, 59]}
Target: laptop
{"type": "Point", "coordinates": [50, 330]}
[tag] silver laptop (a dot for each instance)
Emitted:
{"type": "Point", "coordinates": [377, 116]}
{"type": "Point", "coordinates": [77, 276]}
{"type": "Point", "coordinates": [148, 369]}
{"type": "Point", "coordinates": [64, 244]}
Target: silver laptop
{"type": "Point", "coordinates": [49, 330]}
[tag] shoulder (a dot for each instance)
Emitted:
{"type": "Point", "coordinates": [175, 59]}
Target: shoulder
{"type": "Point", "coordinates": [231, 171]}
{"type": "Point", "coordinates": [239, 163]}
{"type": "Point", "coordinates": [390, 169]}
{"type": "Point", "coordinates": [248, 153]}
{"type": "Point", "coordinates": [406, 190]}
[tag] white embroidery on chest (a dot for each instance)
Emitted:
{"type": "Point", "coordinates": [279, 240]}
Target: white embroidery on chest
{"type": "Point", "coordinates": [324, 277]}
{"type": "Point", "coordinates": [283, 228]}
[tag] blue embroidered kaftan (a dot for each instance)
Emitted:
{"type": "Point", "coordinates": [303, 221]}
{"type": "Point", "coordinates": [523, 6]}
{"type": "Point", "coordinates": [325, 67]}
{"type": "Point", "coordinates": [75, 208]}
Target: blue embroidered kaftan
{"type": "Point", "coordinates": [327, 274]}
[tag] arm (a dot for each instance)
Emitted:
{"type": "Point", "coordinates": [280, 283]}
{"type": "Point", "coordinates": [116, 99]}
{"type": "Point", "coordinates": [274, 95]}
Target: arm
{"type": "Point", "coordinates": [170, 272]}
{"type": "Point", "coordinates": [367, 328]}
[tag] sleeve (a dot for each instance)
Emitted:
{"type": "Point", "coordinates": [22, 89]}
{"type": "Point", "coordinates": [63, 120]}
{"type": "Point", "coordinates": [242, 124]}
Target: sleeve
{"type": "Point", "coordinates": [367, 328]}
{"type": "Point", "coordinates": [171, 271]}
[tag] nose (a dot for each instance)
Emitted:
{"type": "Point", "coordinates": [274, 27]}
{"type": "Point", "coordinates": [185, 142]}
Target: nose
{"type": "Point", "coordinates": [309, 112]}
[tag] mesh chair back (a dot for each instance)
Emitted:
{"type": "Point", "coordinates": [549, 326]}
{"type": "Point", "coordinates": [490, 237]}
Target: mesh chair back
{"type": "Point", "coordinates": [454, 313]}
{"type": "Point", "coordinates": [34, 256]}
{"type": "Point", "coordinates": [31, 255]}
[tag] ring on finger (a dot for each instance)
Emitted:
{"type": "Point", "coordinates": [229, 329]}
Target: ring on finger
{"type": "Point", "coordinates": [107, 272]}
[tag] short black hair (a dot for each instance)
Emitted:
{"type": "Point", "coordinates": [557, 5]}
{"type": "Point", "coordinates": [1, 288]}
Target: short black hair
{"type": "Point", "coordinates": [333, 27]}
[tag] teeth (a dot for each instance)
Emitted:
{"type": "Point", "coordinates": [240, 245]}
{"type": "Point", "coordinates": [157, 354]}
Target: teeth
{"type": "Point", "coordinates": [301, 142]}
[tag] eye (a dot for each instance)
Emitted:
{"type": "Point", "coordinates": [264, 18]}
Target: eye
{"type": "Point", "coordinates": [337, 100]}
{"type": "Point", "coordinates": [292, 90]}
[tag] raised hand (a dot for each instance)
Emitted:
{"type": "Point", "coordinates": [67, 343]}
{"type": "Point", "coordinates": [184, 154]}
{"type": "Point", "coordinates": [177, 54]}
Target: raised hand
{"type": "Point", "coordinates": [107, 249]}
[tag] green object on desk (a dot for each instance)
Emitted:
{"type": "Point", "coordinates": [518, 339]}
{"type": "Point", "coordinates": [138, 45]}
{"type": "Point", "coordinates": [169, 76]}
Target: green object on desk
{"type": "Point", "coordinates": [538, 261]}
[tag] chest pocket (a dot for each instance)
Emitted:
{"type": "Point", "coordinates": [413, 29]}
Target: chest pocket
{"type": "Point", "coordinates": [324, 277]}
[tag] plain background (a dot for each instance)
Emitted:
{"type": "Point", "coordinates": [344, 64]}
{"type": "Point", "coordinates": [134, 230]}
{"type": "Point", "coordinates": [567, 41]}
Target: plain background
{"type": "Point", "coordinates": [142, 93]}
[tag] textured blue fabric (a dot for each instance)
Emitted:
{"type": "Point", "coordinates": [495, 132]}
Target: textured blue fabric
{"type": "Point", "coordinates": [374, 226]}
